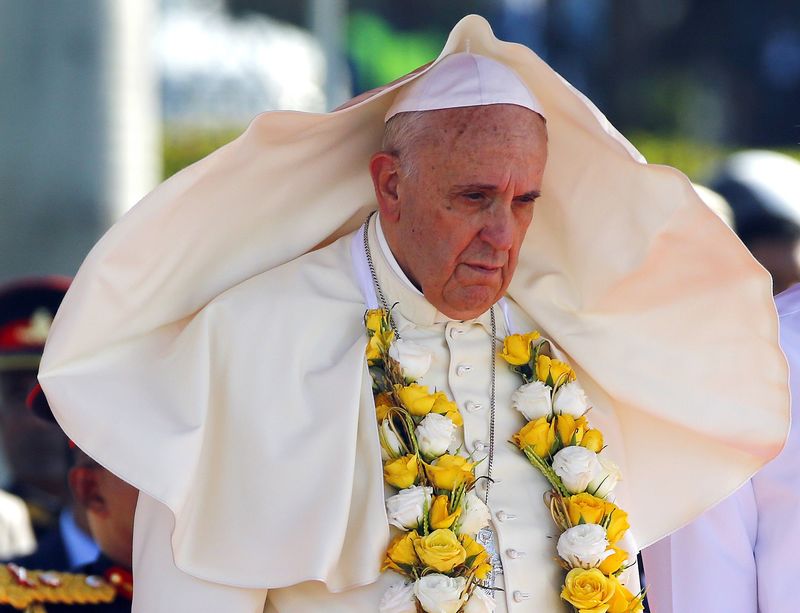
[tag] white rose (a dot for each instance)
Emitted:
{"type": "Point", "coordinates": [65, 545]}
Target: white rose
{"type": "Point", "coordinates": [399, 598]}
{"type": "Point", "coordinates": [532, 400]}
{"type": "Point", "coordinates": [570, 398]}
{"type": "Point", "coordinates": [606, 480]}
{"type": "Point", "coordinates": [391, 446]}
{"type": "Point", "coordinates": [434, 434]}
{"type": "Point", "coordinates": [414, 359]}
{"type": "Point", "coordinates": [440, 593]}
{"type": "Point", "coordinates": [474, 515]}
{"type": "Point", "coordinates": [480, 602]}
{"type": "Point", "coordinates": [577, 467]}
{"type": "Point", "coordinates": [584, 546]}
{"type": "Point", "coordinates": [405, 509]}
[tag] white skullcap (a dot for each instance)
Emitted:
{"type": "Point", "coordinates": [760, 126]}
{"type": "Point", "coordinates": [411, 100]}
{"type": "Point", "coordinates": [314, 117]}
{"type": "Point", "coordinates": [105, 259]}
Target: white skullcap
{"type": "Point", "coordinates": [464, 79]}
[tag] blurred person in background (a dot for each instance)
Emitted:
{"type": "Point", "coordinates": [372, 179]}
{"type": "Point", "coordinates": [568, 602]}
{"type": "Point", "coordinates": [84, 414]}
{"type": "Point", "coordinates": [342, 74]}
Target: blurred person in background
{"type": "Point", "coordinates": [763, 189]}
{"type": "Point", "coordinates": [35, 452]}
{"type": "Point", "coordinates": [68, 544]}
{"type": "Point", "coordinates": [108, 504]}
{"type": "Point", "coordinates": [739, 556]}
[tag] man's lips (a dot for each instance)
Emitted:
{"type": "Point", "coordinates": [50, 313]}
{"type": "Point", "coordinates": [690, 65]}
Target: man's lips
{"type": "Point", "coordinates": [485, 269]}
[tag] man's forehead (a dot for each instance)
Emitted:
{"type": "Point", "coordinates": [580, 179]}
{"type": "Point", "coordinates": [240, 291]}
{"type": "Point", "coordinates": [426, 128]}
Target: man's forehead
{"type": "Point", "coordinates": [479, 116]}
{"type": "Point", "coordinates": [500, 125]}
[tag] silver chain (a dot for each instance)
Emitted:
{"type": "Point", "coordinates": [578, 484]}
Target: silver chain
{"type": "Point", "coordinates": [377, 285]}
{"type": "Point", "coordinates": [492, 407]}
{"type": "Point", "coordinates": [492, 340]}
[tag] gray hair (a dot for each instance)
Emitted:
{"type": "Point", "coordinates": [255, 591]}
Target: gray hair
{"type": "Point", "coordinates": [402, 133]}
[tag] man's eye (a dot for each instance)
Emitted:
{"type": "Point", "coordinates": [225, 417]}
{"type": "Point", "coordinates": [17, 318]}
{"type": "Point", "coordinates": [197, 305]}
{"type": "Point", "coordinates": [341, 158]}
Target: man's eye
{"type": "Point", "coordinates": [525, 200]}
{"type": "Point", "coordinates": [474, 196]}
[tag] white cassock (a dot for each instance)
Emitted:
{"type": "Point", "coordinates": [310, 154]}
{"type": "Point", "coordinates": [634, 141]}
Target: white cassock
{"type": "Point", "coordinates": [211, 353]}
{"type": "Point", "coordinates": [740, 556]}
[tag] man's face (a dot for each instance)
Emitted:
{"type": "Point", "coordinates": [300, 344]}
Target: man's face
{"type": "Point", "coordinates": [109, 504]}
{"type": "Point", "coordinates": [464, 209]}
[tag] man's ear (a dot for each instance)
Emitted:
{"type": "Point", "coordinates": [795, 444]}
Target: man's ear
{"type": "Point", "coordinates": [384, 168]}
{"type": "Point", "coordinates": [85, 485]}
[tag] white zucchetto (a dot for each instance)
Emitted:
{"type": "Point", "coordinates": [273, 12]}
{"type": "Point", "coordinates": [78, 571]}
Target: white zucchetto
{"type": "Point", "coordinates": [464, 79]}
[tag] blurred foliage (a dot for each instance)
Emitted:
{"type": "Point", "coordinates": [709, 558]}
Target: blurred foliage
{"type": "Point", "coordinates": [381, 54]}
{"type": "Point", "coordinates": [184, 146]}
{"type": "Point", "coordinates": [697, 160]}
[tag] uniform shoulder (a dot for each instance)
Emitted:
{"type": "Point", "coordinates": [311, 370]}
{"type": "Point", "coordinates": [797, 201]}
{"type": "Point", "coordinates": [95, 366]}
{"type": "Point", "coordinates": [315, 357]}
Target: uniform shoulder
{"type": "Point", "coordinates": [21, 588]}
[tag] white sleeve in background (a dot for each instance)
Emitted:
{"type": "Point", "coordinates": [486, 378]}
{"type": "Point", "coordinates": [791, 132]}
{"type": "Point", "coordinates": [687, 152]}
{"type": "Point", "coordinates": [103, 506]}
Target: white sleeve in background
{"type": "Point", "coordinates": [16, 533]}
{"type": "Point", "coordinates": [708, 565]}
{"type": "Point", "coordinates": [161, 587]}
{"type": "Point", "coordinates": [740, 557]}
{"type": "Point", "coordinates": [777, 486]}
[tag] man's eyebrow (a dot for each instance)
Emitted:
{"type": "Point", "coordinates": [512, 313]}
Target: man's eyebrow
{"type": "Point", "coordinates": [486, 187]}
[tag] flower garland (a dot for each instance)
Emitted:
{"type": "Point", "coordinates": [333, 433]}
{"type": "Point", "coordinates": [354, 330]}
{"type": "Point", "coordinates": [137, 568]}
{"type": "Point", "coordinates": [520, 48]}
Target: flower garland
{"type": "Point", "coordinates": [435, 509]}
{"type": "Point", "coordinates": [558, 441]}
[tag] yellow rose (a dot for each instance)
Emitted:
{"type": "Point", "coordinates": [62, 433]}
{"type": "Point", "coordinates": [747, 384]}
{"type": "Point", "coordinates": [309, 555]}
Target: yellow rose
{"type": "Point", "coordinates": [613, 562]}
{"type": "Point", "coordinates": [585, 506]}
{"type": "Point", "coordinates": [622, 599]}
{"type": "Point", "coordinates": [373, 319]}
{"type": "Point", "coordinates": [440, 550]}
{"type": "Point", "coordinates": [383, 402]}
{"type": "Point", "coordinates": [617, 524]}
{"type": "Point", "coordinates": [379, 344]}
{"type": "Point", "coordinates": [553, 372]}
{"type": "Point", "coordinates": [568, 427]}
{"type": "Point", "coordinates": [477, 558]}
{"type": "Point", "coordinates": [449, 471]}
{"type": "Point", "coordinates": [440, 516]}
{"type": "Point", "coordinates": [402, 472]}
{"type": "Point", "coordinates": [593, 440]}
{"type": "Point", "coordinates": [443, 406]}
{"type": "Point", "coordinates": [517, 348]}
{"type": "Point", "coordinates": [380, 334]}
{"type": "Point", "coordinates": [588, 590]}
{"type": "Point", "coordinates": [374, 348]}
{"type": "Point", "coordinates": [401, 552]}
{"type": "Point", "coordinates": [538, 434]}
{"type": "Point", "coordinates": [417, 399]}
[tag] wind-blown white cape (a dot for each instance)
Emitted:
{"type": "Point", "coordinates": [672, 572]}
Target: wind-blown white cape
{"type": "Point", "coordinates": [243, 417]}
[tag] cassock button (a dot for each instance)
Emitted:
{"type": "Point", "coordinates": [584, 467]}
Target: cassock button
{"type": "Point", "coordinates": [463, 369]}
{"type": "Point", "coordinates": [503, 516]}
{"type": "Point", "coordinates": [514, 553]}
{"type": "Point", "coordinates": [472, 407]}
{"type": "Point", "coordinates": [479, 445]}
{"type": "Point", "coordinates": [456, 332]}
{"type": "Point", "coordinates": [520, 596]}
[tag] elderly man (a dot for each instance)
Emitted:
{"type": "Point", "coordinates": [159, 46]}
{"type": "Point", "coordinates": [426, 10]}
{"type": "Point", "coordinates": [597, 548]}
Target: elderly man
{"type": "Point", "coordinates": [239, 368]}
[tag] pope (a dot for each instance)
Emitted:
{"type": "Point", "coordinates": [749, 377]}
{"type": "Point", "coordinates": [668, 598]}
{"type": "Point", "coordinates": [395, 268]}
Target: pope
{"type": "Point", "coordinates": [238, 320]}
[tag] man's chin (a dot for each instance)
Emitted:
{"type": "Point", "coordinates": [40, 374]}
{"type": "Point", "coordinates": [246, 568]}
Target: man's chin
{"type": "Point", "coordinates": [469, 303]}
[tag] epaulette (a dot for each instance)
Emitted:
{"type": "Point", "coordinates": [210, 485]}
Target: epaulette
{"type": "Point", "coordinates": [23, 589]}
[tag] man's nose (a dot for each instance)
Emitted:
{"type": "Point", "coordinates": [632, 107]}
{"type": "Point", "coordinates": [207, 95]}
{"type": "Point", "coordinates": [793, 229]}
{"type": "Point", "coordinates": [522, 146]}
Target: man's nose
{"type": "Point", "coordinates": [498, 230]}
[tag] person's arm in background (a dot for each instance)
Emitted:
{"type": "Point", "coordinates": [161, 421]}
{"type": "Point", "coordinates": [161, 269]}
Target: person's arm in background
{"type": "Point", "coordinates": [738, 556]}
